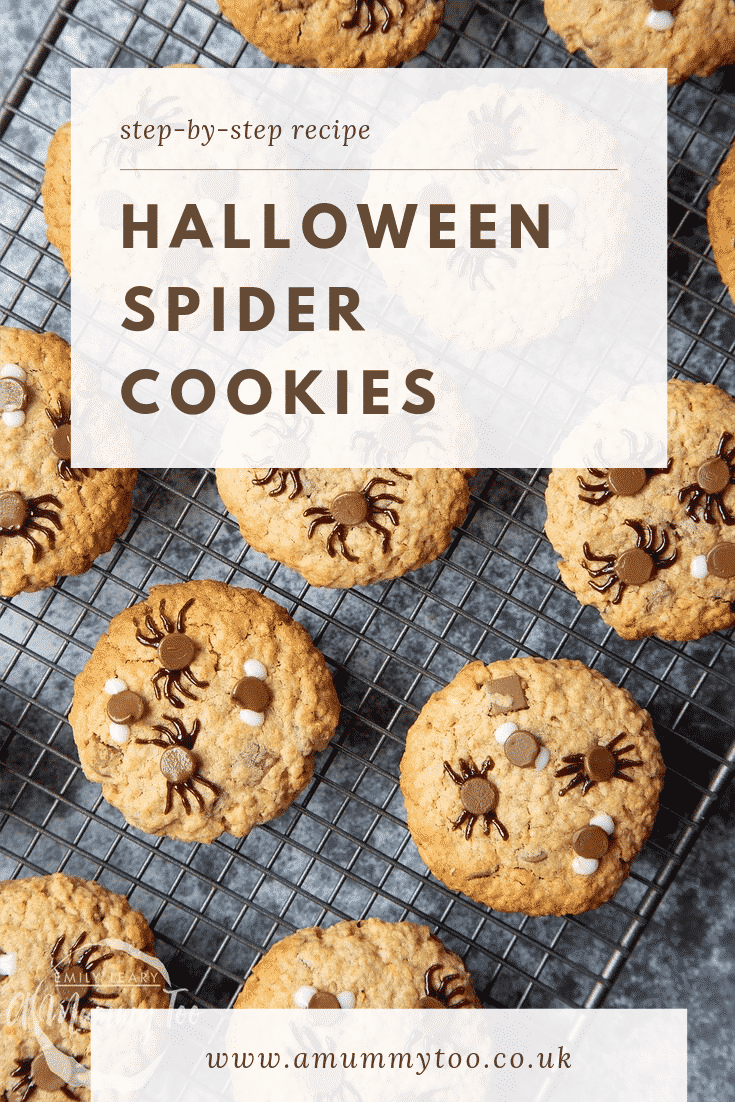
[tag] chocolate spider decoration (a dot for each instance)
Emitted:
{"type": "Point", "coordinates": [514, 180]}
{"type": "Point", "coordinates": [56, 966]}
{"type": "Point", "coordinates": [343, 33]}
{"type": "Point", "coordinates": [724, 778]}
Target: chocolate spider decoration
{"type": "Point", "coordinates": [61, 444]}
{"type": "Point", "coordinates": [601, 763]}
{"type": "Point", "coordinates": [19, 516]}
{"type": "Point", "coordinates": [493, 138]}
{"type": "Point", "coordinates": [437, 996]}
{"type": "Point", "coordinates": [617, 482]}
{"type": "Point", "coordinates": [32, 1074]}
{"type": "Point", "coordinates": [352, 508]}
{"type": "Point", "coordinates": [176, 652]}
{"type": "Point", "coordinates": [282, 474]}
{"type": "Point", "coordinates": [369, 6]}
{"type": "Point", "coordinates": [473, 263]}
{"type": "Point", "coordinates": [634, 566]}
{"type": "Point", "coordinates": [713, 478]}
{"type": "Point", "coordinates": [73, 977]}
{"type": "Point", "coordinates": [178, 763]}
{"type": "Point", "coordinates": [479, 797]}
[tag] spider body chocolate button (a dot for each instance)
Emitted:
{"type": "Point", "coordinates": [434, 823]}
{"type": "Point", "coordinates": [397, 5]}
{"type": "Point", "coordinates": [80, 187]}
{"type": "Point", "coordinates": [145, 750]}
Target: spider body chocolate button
{"type": "Point", "coordinates": [125, 707]}
{"type": "Point", "coordinates": [521, 749]}
{"type": "Point", "coordinates": [478, 796]}
{"type": "Point", "coordinates": [13, 395]}
{"type": "Point", "coordinates": [252, 693]}
{"type": "Point", "coordinates": [591, 842]}
{"type": "Point", "coordinates": [714, 475]}
{"type": "Point", "coordinates": [599, 763]}
{"type": "Point", "coordinates": [721, 560]}
{"type": "Point", "coordinates": [13, 510]}
{"type": "Point", "coordinates": [178, 765]}
{"type": "Point", "coordinates": [324, 1000]}
{"type": "Point", "coordinates": [350, 508]}
{"type": "Point", "coordinates": [626, 481]}
{"type": "Point", "coordinates": [43, 1077]}
{"type": "Point", "coordinates": [176, 651]}
{"type": "Point", "coordinates": [61, 442]}
{"type": "Point", "coordinates": [634, 566]}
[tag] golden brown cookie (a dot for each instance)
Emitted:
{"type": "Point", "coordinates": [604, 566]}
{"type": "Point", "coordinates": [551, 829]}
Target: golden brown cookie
{"type": "Point", "coordinates": [531, 785]}
{"type": "Point", "coordinates": [66, 946]}
{"type": "Point", "coordinates": [687, 38]}
{"type": "Point", "coordinates": [56, 193]}
{"type": "Point", "coordinates": [369, 964]}
{"type": "Point", "coordinates": [201, 711]}
{"type": "Point", "coordinates": [337, 34]}
{"type": "Point", "coordinates": [54, 518]}
{"type": "Point", "coordinates": [721, 221]}
{"type": "Point", "coordinates": [653, 548]}
{"type": "Point", "coordinates": [345, 526]}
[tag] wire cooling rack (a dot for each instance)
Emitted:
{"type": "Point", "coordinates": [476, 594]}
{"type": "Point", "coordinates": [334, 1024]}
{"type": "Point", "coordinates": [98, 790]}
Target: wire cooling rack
{"type": "Point", "coordinates": [342, 850]}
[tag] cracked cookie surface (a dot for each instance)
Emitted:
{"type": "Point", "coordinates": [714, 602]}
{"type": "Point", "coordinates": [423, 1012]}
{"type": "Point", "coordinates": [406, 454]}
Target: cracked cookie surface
{"type": "Point", "coordinates": [347, 526]}
{"type": "Point", "coordinates": [42, 919]}
{"type": "Point", "coordinates": [54, 519]}
{"type": "Point", "coordinates": [516, 734]}
{"type": "Point", "coordinates": [201, 711]}
{"type": "Point", "coordinates": [337, 34]}
{"type": "Point", "coordinates": [689, 505]}
{"type": "Point", "coordinates": [368, 964]}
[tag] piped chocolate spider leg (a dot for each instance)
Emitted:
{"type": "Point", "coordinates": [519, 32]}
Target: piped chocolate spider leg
{"type": "Point", "coordinates": [578, 779]}
{"type": "Point", "coordinates": [466, 817]}
{"type": "Point", "coordinates": [182, 613]}
{"type": "Point", "coordinates": [492, 817]}
{"type": "Point", "coordinates": [178, 789]}
{"type": "Point", "coordinates": [454, 776]}
{"type": "Point", "coordinates": [385, 533]}
{"type": "Point", "coordinates": [48, 532]}
{"type": "Point", "coordinates": [186, 672]}
{"type": "Point", "coordinates": [323, 517]}
{"type": "Point", "coordinates": [339, 532]}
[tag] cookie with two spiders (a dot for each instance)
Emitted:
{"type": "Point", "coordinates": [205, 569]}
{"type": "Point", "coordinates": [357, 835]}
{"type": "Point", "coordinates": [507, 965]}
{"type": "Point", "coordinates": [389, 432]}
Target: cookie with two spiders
{"type": "Point", "coordinates": [346, 526]}
{"type": "Point", "coordinates": [653, 547]}
{"type": "Point", "coordinates": [201, 711]}
{"type": "Point", "coordinates": [684, 37]}
{"type": "Point", "coordinates": [337, 34]}
{"type": "Point", "coordinates": [55, 519]}
{"type": "Point", "coordinates": [366, 964]}
{"type": "Point", "coordinates": [67, 945]}
{"type": "Point", "coordinates": [530, 785]}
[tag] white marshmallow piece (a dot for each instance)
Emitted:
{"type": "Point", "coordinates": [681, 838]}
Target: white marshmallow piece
{"type": "Point", "coordinates": [254, 668]}
{"type": "Point", "coordinates": [303, 996]}
{"type": "Point", "coordinates": [346, 1000]}
{"type": "Point", "coordinates": [585, 866]}
{"type": "Point", "coordinates": [660, 20]}
{"type": "Point", "coordinates": [504, 731]}
{"type": "Point", "coordinates": [603, 820]}
{"type": "Point", "coordinates": [12, 371]}
{"type": "Point", "coordinates": [253, 719]}
{"type": "Point", "coordinates": [699, 567]}
{"type": "Point", "coordinates": [14, 418]}
{"type": "Point", "coordinates": [543, 758]}
{"type": "Point", "coordinates": [119, 732]}
{"type": "Point", "coordinates": [8, 964]}
{"type": "Point", "coordinates": [115, 685]}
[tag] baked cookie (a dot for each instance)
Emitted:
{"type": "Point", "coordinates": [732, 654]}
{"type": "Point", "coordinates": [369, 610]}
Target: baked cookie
{"type": "Point", "coordinates": [653, 547]}
{"type": "Point", "coordinates": [531, 785]}
{"type": "Point", "coordinates": [66, 945]}
{"type": "Point", "coordinates": [369, 964]}
{"type": "Point", "coordinates": [345, 526]}
{"type": "Point", "coordinates": [54, 518]}
{"type": "Point", "coordinates": [687, 38]}
{"type": "Point", "coordinates": [337, 34]}
{"type": "Point", "coordinates": [721, 221]}
{"type": "Point", "coordinates": [201, 711]}
{"type": "Point", "coordinates": [56, 193]}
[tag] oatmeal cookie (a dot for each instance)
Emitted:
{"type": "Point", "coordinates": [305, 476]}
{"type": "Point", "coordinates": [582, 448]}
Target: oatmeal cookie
{"type": "Point", "coordinates": [66, 946]}
{"type": "Point", "coordinates": [653, 547]}
{"type": "Point", "coordinates": [369, 964]}
{"type": "Point", "coordinates": [54, 518]}
{"type": "Point", "coordinates": [347, 526]}
{"type": "Point", "coordinates": [721, 221]}
{"type": "Point", "coordinates": [201, 711]}
{"type": "Point", "coordinates": [531, 785]}
{"type": "Point", "coordinates": [688, 38]}
{"type": "Point", "coordinates": [337, 34]}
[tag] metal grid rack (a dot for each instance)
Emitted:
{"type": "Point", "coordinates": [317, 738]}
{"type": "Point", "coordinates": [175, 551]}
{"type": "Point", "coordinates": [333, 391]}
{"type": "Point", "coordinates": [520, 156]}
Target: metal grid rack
{"type": "Point", "coordinates": [342, 851]}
